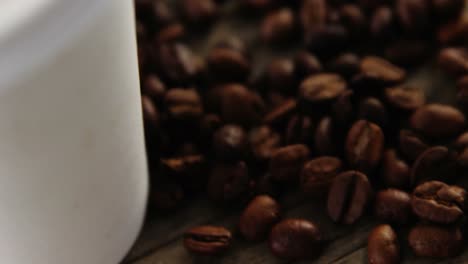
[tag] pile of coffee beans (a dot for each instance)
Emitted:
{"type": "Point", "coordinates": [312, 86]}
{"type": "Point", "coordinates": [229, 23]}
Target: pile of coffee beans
{"type": "Point", "coordinates": [337, 121]}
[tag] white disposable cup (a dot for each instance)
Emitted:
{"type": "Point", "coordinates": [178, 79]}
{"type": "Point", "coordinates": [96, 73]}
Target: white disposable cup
{"type": "Point", "coordinates": [73, 176]}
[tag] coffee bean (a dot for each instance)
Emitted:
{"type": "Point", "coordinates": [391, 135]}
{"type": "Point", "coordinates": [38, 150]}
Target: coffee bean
{"type": "Point", "coordinates": [300, 129]}
{"type": "Point", "coordinates": [318, 174]}
{"type": "Point", "coordinates": [207, 240]}
{"type": "Point", "coordinates": [343, 110]}
{"type": "Point", "coordinates": [279, 115]}
{"type": "Point", "coordinates": [364, 146]}
{"type": "Point", "coordinates": [320, 90]}
{"type": "Point", "coordinates": [349, 195]}
{"type": "Point", "coordinates": [233, 42]}
{"type": "Point", "coordinates": [405, 98]}
{"type": "Point", "coordinates": [447, 9]}
{"type": "Point", "coordinates": [435, 241]}
{"type": "Point", "coordinates": [438, 202]}
{"type": "Point", "coordinates": [395, 171]}
{"type": "Point", "coordinates": [228, 65]}
{"type": "Point", "coordinates": [278, 26]}
{"type": "Point", "coordinates": [377, 72]}
{"type": "Point", "coordinates": [259, 217]}
{"type": "Point", "coordinates": [454, 32]}
{"type": "Point", "coordinates": [383, 246]}
{"type": "Point", "coordinates": [230, 143]}
{"type": "Point", "coordinates": [313, 14]}
{"type": "Point", "coordinates": [414, 15]}
{"type": "Point", "coordinates": [151, 114]}
{"type": "Point", "coordinates": [436, 163]}
{"type": "Point", "coordinates": [407, 52]}
{"type": "Point", "coordinates": [189, 170]}
{"type": "Point", "coordinates": [209, 123]}
{"type": "Point", "coordinates": [462, 91]}
{"type": "Point", "coordinates": [154, 88]}
{"type": "Point", "coordinates": [183, 104]}
{"type": "Point", "coordinates": [263, 141]}
{"type": "Point", "coordinates": [438, 121]}
{"type": "Point", "coordinates": [327, 40]}
{"type": "Point", "coordinates": [325, 141]}
{"type": "Point", "coordinates": [411, 145]}
{"type": "Point", "coordinates": [281, 77]}
{"type": "Point", "coordinates": [176, 63]}
{"type": "Point", "coordinates": [353, 18]}
{"type": "Point", "coordinates": [199, 12]}
{"type": "Point", "coordinates": [286, 162]}
{"type": "Point", "coordinates": [296, 239]}
{"type": "Point", "coordinates": [393, 205]}
{"type": "Point", "coordinates": [373, 110]}
{"type": "Point", "coordinates": [382, 25]}
{"type": "Point", "coordinates": [346, 64]}
{"type": "Point", "coordinates": [171, 33]}
{"type": "Point", "coordinates": [306, 64]}
{"type": "Point", "coordinates": [461, 142]}
{"type": "Point", "coordinates": [228, 182]}
{"type": "Point", "coordinates": [454, 61]}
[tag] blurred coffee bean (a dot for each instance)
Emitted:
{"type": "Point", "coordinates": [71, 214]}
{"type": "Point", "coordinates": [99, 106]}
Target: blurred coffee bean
{"type": "Point", "coordinates": [228, 182]}
{"type": "Point", "coordinates": [408, 52]}
{"type": "Point", "coordinates": [151, 114]}
{"type": "Point", "coordinates": [278, 26]}
{"type": "Point", "coordinates": [313, 14]}
{"type": "Point", "coordinates": [404, 98]}
{"type": "Point", "coordinates": [447, 9]}
{"type": "Point", "coordinates": [280, 76]}
{"type": "Point", "coordinates": [173, 32]}
{"type": "Point", "coordinates": [319, 91]}
{"type": "Point", "coordinates": [373, 110]}
{"type": "Point", "coordinates": [454, 32]}
{"type": "Point", "coordinates": [376, 73]}
{"type": "Point", "coordinates": [343, 111]}
{"type": "Point", "coordinates": [354, 20]}
{"type": "Point", "coordinates": [461, 142]}
{"type": "Point", "coordinates": [327, 40]}
{"type": "Point", "coordinates": [395, 171]}
{"type": "Point", "coordinates": [454, 61]}
{"type": "Point", "coordinates": [230, 143]}
{"type": "Point", "coordinates": [286, 162]}
{"type": "Point", "coordinates": [209, 123]}
{"type": "Point", "coordinates": [411, 145]}
{"type": "Point", "coordinates": [393, 205]}
{"type": "Point", "coordinates": [279, 115]}
{"type": "Point", "coordinates": [383, 246]}
{"type": "Point", "coordinates": [349, 195]}
{"type": "Point", "coordinates": [346, 64]}
{"type": "Point", "coordinates": [435, 241]}
{"type": "Point", "coordinates": [263, 141]}
{"type": "Point", "coordinates": [300, 129]}
{"type": "Point", "coordinates": [318, 174]}
{"type": "Point", "coordinates": [296, 239]}
{"type": "Point", "coordinates": [207, 240]}
{"type": "Point", "coordinates": [364, 146]}
{"type": "Point", "coordinates": [306, 64]}
{"type": "Point", "coordinates": [258, 218]}
{"type": "Point", "coordinates": [154, 88]}
{"type": "Point", "coordinates": [199, 12]}
{"type": "Point", "coordinates": [382, 25]}
{"type": "Point", "coordinates": [438, 202]}
{"type": "Point", "coordinates": [183, 104]}
{"type": "Point", "coordinates": [462, 91]}
{"type": "Point", "coordinates": [414, 15]}
{"type": "Point", "coordinates": [436, 163]}
{"type": "Point", "coordinates": [325, 140]}
{"type": "Point", "coordinates": [176, 63]}
{"type": "Point", "coordinates": [228, 65]}
{"type": "Point", "coordinates": [438, 121]}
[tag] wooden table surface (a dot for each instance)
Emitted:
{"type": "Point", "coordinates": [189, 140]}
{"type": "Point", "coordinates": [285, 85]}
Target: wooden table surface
{"type": "Point", "coordinates": [161, 239]}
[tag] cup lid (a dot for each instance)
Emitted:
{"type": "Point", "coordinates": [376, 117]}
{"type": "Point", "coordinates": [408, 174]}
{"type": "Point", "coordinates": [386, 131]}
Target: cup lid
{"type": "Point", "coordinates": [33, 30]}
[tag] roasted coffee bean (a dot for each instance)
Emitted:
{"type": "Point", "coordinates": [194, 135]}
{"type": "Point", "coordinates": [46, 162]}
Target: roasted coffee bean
{"type": "Point", "coordinates": [353, 18]}
{"type": "Point", "coordinates": [183, 104]}
{"type": "Point", "coordinates": [278, 26]}
{"type": "Point", "coordinates": [349, 195]}
{"type": "Point", "coordinates": [263, 141]}
{"type": "Point", "coordinates": [346, 64]}
{"type": "Point", "coordinates": [394, 206]}
{"type": "Point", "coordinates": [373, 110]}
{"type": "Point", "coordinates": [438, 121]}
{"type": "Point", "coordinates": [313, 14]}
{"type": "Point", "coordinates": [151, 114]}
{"type": "Point", "coordinates": [454, 32]}
{"type": "Point", "coordinates": [364, 146]}
{"type": "Point", "coordinates": [407, 52]}
{"type": "Point", "coordinates": [300, 129]}
{"type": "Point", "coordinates": [280, 76]}
{"type": "Point", "coordinates": [438, 202]}
{"type": "Point", "coordinates": [236, 104]}
{"type": "Point", "coordinates": [199, 12]}
{"type": "Point", "coordinates": [172, 32]}
{"type": "Point", "coordinates": [318, 174]}
{"type": "Point", "coordinates": [176, 63]}
{"type": "Point", "coordinates": [279, 115]}
{"type": "Point", "coordinates": [259, 217]}
{"type": "Point", "coordinates": [230, 143]}
{"type": "Point", "coordinates": [234, 43]}
{"type": "Point", "coordinates": [189, 170]}
{"type": "Point", "coordinates": [435, 241]}
{"type": "Point", "coordinates": [462, 91]}
{"type": "Point", "coordinates": [414, 15]}
{"type": "Point", "coordinates": [325, 141]}
{"type": "Point", "coordinates": [296, 239]}
{"type": "Point", "coordinates": [343, 110]}
{"type": "Point", "coordinates": [436, 163]}
{"type": "Point", "coordinates": [461, 142]}
{"type": "Point", "coordinates": [404, 98]}
{"type": "Point", "coordinates": [454, 61]}
{"type": "Point", "coordinates": [306, 64]}
{"type": "Point", "coordinates": [395, 171]}
{"type": "Point", "coordinates": [376, 72]}
{"type": "Point", "coordinates": [447, 9]}
{"type": "Point", "coordinates": [411, 145]}
{"type": "Point", "coordinates": [320, 90]}
{"type": "Point", "coordinates": [327, 40]}
{"type": "Point", "coordinates": [228, 182]}
{"type": "Point", "coordinates": [207, 240]}
{"type": "Point", "coordinates": [286, 162]}
{"type": "Point", "coordinates": [383, 246]}
{"type": "Point", "coordinates": [154, 88]}
{"type": "Point", "coordinates": [382, 25]}
{"type": "Point", "coordinates": [228, 65]}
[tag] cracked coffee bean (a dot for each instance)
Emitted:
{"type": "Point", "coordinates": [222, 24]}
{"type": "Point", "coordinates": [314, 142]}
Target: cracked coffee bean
{"type": "Point", "coordinates": [207, 240]}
